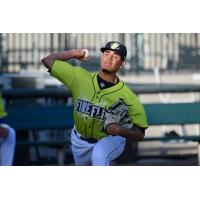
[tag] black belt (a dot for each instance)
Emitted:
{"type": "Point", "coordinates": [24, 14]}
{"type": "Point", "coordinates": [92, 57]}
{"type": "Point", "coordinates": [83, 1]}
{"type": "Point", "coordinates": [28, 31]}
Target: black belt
{"type": "Point", "coordinates": [89, 140]}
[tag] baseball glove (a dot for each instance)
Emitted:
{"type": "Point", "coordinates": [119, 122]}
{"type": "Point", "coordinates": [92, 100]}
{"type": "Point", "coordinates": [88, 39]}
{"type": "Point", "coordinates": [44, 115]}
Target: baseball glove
{"type": "Point", "coordinates": [126, 122]}
{"type": "Point", "coordinates": [117, 114]}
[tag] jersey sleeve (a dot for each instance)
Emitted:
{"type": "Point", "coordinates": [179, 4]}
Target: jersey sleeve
{"type": "Point", "coordinates": [137, 113]}
{"type": "Point", "coordinates": [64, 72]}
{"type": "Point", "coordinates": [2, 108]}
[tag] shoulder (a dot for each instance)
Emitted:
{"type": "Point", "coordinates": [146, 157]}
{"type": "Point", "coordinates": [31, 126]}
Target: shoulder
{"type": "Point", "coordinates": [129, 96]}
{"type": "Point", "coordinates": [82, 71]}
{"type": "Point", "coordinates": [66, 66]}
{"type": "Point", "coordinates": [128, 91]}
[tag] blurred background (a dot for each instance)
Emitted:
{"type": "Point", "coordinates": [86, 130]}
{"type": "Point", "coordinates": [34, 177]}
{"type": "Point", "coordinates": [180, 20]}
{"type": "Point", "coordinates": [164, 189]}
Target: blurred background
{"type": "Point", "coordinates": [160, 68]}
{"type": "Point", "coordinates": [168, 51]}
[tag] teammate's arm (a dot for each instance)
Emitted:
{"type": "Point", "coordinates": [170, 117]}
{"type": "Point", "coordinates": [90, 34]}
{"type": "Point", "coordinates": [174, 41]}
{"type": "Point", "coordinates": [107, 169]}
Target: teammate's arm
{"type": "Point", "coordinates": [135, 134]}
{"type": "Point", "coordinates": [63, 56]}
{"type": "Point", "coordinates": [3, 132]}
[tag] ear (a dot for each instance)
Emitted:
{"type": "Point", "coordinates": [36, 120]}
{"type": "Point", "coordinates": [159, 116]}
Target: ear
{"type": "Point", "coordinates": [122, 65]}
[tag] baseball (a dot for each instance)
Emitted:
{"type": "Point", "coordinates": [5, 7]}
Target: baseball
{"type": "Point", "coordinates": [86, 57]}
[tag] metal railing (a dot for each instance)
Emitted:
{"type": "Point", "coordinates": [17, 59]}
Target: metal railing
{"type": "Point", "coordinates": [63, 93]}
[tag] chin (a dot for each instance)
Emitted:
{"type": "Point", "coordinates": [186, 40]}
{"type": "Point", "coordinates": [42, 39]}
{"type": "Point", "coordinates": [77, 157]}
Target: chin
{"type": "Point", "coordinates": [107, 71]}
{"type": "Point", "coordinates": [107, 68]}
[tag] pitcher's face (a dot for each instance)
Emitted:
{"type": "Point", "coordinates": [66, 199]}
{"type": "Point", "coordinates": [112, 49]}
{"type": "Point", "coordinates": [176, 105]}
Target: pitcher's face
{"type": "Point", "coordinates": [110, 61]}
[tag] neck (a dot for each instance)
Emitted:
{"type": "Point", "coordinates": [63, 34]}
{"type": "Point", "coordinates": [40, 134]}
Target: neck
{"type": "Point", "coordinates": [108, 77]}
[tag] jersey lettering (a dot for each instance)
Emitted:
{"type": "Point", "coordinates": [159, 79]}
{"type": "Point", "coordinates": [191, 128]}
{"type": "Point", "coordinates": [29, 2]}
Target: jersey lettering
{"type": "Point", "coordinates": [90, 109]}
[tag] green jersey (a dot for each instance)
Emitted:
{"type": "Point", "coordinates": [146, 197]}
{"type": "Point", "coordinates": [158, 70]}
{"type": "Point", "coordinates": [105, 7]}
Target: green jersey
{"type": "Point", "coordinates": [2, 108]}
{"type": "Point", "coordinates": [90, 101]}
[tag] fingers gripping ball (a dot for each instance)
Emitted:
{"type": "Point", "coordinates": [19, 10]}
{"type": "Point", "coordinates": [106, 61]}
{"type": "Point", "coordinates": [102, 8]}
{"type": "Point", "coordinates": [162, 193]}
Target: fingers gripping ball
{"type": "Point", "coordinates": [87, 54]}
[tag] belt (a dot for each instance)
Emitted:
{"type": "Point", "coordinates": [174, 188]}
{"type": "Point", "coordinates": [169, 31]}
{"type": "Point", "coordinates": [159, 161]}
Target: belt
{"type": "Point", "coordinates": [89, 140]}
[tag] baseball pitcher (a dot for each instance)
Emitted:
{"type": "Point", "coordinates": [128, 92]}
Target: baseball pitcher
{"type": "Point", "coordinates": [106, 111]}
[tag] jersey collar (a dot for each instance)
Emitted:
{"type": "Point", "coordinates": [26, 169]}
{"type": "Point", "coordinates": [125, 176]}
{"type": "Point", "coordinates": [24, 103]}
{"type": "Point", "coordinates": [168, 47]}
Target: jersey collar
{"type": "Point", "coordinates": [114, 88]}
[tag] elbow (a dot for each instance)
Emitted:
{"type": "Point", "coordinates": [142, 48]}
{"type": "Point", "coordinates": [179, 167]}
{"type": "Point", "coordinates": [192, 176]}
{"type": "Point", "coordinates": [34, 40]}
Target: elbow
{"type": "Point", "coordinates": [48, 61]}
{"type": "Point", "coordinates": [43, 62]}
{"type": "Point", "coordinates": [140, 137]}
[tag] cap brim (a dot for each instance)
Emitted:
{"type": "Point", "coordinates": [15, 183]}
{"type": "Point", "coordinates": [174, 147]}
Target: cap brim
{"type": "Point", "coordinates": [103, 49]}
{"type": "Point", "coordinates": [115, 50]}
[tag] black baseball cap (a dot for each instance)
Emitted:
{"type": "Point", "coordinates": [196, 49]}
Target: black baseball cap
{"type": "Point", "coordinates": [116, 47]}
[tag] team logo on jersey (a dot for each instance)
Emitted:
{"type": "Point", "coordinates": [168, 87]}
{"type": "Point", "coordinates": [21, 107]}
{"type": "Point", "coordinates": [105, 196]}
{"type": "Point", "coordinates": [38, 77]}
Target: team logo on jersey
{"type": "Point", "coordinates": [115, 45]}
{"type": "Point", "coordinates": [90, 109]}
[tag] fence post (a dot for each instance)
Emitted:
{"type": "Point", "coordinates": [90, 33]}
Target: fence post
{"type": "Point", "coordinates": [136, 61]}
{"type": "Point", "coordinates": [198, 153]}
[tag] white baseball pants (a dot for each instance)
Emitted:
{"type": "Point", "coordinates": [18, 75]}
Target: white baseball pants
{"type": "Point", "coordinates": [96, 154]}
{"type": "Point", "coordinates": [7, 147]}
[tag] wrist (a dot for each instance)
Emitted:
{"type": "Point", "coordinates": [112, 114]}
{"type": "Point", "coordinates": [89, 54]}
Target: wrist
{"type": "Point", "coordinates": [78, 53]}
{"type": "Point", "coordinates": [113, 129]}
{"type": "Point", "coordinates": [73, 53]}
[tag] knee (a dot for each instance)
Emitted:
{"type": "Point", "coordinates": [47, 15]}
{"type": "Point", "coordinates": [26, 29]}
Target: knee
{"type": "Point", "coordinates": [99, 157]}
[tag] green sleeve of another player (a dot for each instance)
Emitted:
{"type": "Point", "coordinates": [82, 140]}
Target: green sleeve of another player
{"type": "Point", "coordinates": [138, 114]}
{"type": "Point", "coordinates": [2, 108]}
{"type": "Point", "coordinates": [64, 72]}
